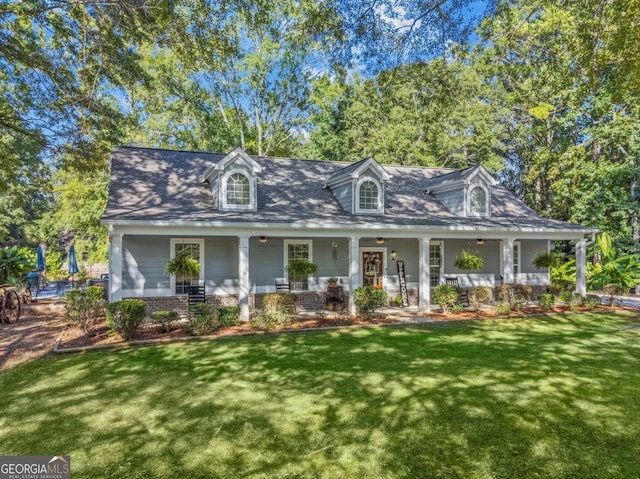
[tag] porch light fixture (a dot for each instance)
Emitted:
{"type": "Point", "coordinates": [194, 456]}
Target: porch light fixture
{"type": "Point", "coordinates": [263, 239]}
{"type": "Point", "coordinates": [480, 241]}
{"type": "Point", "coordinates": [380, 240]}
{"type": "Point", "coordinates": [393, 255]}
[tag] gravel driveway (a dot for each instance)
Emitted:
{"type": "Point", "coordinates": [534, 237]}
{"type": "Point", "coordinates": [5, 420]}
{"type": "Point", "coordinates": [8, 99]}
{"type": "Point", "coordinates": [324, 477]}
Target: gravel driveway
{"type": "Point", "coordinates": [34, 335]}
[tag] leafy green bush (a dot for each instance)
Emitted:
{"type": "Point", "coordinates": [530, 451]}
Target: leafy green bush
{"type": "Point", "coordinates": [591, 301]}
{"type": "Point", "coordinates": [15, 263]}
{"type": "Point", "coordinates": [126, 316]}
{"type": "Point", "coordinates": [479, 295]}
{"type": "Point", "coordinates": [270, 318]}
{"type": "Point", "coordinates": [545, 301]}
{"type": "Point", "coordinates": [82, 306]}
{"type": "Point", "coordinates": [575, 301]}
{"type": "Point", "coordinates": [228, 316]}
{"type": "Point", "coordinates": [565, 296]}
{"type": "Point", "coordinates": [503, 308]}
{"type": "Point", "coordinates": [368, 299]}
{"type": "Point", "coordinates": [514, 293]}
{"type": "Point", "coordinates": [446, 296]}
{"type": "Point", "coordinates": [203, 319]}
{"type": "Point", "coordinates": [165, 319]}
{"type": "Point", "coordinates": [279, 302]}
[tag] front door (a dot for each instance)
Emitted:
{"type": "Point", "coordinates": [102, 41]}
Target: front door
{"type": "Point", "coordinates": [372, 268]}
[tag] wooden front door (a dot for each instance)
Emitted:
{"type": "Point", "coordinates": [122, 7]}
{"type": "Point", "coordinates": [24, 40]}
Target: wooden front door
{"type": "Point", "coordinates": [372, 268]}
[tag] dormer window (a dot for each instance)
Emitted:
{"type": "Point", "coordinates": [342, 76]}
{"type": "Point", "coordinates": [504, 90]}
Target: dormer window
{"type": "Point", "coordinates": [238, 190]}
{"type": "Point", "coordinates": [478, 201]}
{"type": "Point", "coordinates": [233, 182]}
{"type": "Point", "coordinates": [359, 187]}
{"type": "Point", "coordinates": [369, 196]}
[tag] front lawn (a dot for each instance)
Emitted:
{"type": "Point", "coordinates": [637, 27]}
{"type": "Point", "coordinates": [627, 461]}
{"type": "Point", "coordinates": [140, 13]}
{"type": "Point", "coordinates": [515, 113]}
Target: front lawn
{"type": "Point", "coordinates": [550, 397]}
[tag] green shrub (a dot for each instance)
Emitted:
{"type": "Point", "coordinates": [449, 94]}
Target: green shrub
{"type": "Point", "coordinates": [479, 295]}
{"type": "Point", "coordinates": [503, 308]}
{"type": "Point", "coordinates": [270, 318]}
{"type": "Point", "coordinates": [446, 296]}
{"type": "Point", "coordinates": [545, 301]}
{"type": "Point", "coordinates": [575, 301]}
{"type": "Point", "coordinates": [565, 296]}
{"type": "Point", "coordinates": [514, 293]}
{"type": "Point", "coordinates": [126, 316]}
{"type": "Point", "coordinates": [277, 310]}
{"type": "Point", "coordinates": [82, 306]}
{"type": "Point", "coordinates": [165, 319]}
{"type": "Point", "coordinates": [563, 285]}
{"type": "Point", "coordinates": [591, 301]}
{"type": "Point", "coordinates": [203, 319]}
{"type": "Point", "coordinates": [279, 302]}
{"type": "Point", "coordinates": [368, 299]}
{"type": "Point", "coordinates": [613, 290]}
{"type": "Point", "coordinates": [228, 316]}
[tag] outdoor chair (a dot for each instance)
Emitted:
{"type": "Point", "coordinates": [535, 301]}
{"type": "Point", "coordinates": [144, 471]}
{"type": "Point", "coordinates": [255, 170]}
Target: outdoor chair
{"type": "Point", "coordinates": [284, 287]}
{"type": "Point", "coordinates": [196, 295]}
{"type": "Point", "coordinates": [62, 286]}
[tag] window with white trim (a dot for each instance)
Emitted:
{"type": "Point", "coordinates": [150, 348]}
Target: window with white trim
{"type": "Point", "coordinates": [238, 190]}
{"type": "Point", "coordinates": [478, 201]}
{"type": "Point", "coordinates": [369, 197]}
{"type": "Point", "coordinates": [193, 247]}
{"type": "Point", "coordinates": [295, 250]}
{"type": "Point", "coordinates": [516, 259]}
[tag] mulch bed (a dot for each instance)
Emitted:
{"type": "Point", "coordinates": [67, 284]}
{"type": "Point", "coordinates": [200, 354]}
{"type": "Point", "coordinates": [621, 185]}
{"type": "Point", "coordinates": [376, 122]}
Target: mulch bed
{"type": "Point", "coordinates": [42, 324]}
{"type": "Point", "coordinates": [73, 338]}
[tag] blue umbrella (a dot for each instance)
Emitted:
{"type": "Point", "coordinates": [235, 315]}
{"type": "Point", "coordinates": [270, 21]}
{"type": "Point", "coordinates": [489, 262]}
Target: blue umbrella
{"type": "Point", "coordinates": [40, 263]}
{"type": "Point", "coordinates": [73, 262]}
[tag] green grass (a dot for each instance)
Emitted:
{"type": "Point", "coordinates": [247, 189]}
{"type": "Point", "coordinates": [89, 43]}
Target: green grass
{"type": "Point", "coordinates": [552, 397]}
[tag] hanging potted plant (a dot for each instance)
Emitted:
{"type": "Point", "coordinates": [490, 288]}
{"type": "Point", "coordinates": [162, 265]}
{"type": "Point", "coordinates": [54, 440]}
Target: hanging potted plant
{"type": "Point", "coordinates": [545, 260]}
{"type": "Point", "coordinates": [183, 265]}
{"type": "Point", "coordinates": [468, 261]}
{"type": "Point", "coordinates": [299, 270]}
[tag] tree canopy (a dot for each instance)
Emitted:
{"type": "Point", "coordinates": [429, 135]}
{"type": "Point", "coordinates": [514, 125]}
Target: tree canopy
{"type": "Point", "coordinates": [543, 93]}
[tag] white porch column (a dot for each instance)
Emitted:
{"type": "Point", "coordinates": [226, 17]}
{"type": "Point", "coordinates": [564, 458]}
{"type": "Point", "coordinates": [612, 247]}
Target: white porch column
{"type": "Point", "coordinates": [354, 270]}
{"type": "Point", "coordinates": [424, 286]}
{"type": "Point", "coordinates": [581, 267]}
{"type": "Point", "coordinates": [507, 260]}
{"type": "Point", "coordinates": [243, 277]}
{"type": "Point", "coordinates": [115, 267]}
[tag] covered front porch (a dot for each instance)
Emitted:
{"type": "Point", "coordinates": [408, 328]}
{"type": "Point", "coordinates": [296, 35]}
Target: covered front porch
{"type": "Point", "coordinates": [237, 267]}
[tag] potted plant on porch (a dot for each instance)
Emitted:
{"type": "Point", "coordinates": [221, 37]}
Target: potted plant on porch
{"type": "Point", "coordinates": [183, 264]}
{"type": "Point", "coordinates": [299, 270]}
{"type": "Point", "coordinates": [468, 261]}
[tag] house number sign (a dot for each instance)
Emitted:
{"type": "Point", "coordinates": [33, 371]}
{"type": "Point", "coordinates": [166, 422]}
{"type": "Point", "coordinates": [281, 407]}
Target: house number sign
{"type": "Point", "coordinates": [403, 284]}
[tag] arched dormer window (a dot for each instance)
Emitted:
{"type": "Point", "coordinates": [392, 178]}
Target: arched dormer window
{"type": "Point", "coordinates": [368, 197]}
{"type": "Point", "coordinates": [238, 190]}
{"type": "Point", "coordinates": [478, 201]}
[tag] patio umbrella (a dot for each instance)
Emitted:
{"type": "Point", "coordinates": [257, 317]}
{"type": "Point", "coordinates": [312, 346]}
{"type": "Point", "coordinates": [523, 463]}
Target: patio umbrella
{"type": "Point", "coordinates": [40, 263]}
{"type": "Point", "coordinates": [73, 263]}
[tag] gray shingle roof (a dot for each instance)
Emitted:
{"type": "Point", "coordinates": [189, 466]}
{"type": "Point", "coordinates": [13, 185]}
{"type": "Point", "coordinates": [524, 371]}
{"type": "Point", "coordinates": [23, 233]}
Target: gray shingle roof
{"type": "Point", "coordinates": [164, 185]}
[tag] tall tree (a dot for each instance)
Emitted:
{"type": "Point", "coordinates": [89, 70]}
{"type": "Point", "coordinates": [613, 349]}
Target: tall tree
{"type": "Point", "coordinates": [241, 75]}
{"type": "Point", "coordinates": [432, 113]}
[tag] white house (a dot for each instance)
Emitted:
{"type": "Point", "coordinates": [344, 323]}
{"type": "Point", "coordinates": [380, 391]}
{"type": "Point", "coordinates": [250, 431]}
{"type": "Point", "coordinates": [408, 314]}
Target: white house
{"type": "Point", "coordinates": [245, 217]}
